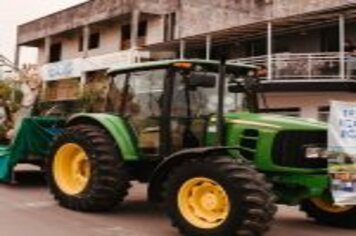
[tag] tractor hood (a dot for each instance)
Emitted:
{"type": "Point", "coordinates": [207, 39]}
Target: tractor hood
{"type": "Point", "coordinates": [274, 121]}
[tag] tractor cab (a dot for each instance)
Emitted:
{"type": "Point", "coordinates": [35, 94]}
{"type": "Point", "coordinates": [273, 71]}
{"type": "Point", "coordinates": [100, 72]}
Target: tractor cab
{"type": "Point", "coordinates": [169, 104]}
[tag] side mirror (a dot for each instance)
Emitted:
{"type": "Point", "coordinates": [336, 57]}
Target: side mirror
{"type": "Point", "coordinates": [201, 79]}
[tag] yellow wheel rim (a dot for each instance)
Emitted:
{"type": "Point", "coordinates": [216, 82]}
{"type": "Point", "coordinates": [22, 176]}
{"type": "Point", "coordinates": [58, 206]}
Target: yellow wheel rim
{"type": "Point", "coordinates": [329, 206]}
{"type": "Point", "coordinates": [71, 169]}
{"type": "Point", "coordinates": [203, 203]}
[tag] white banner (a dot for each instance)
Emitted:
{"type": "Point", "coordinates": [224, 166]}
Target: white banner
{"type": "Point", "coordinates": [76, 67]}
{"type": "Point", "coordinates": [342, 148]}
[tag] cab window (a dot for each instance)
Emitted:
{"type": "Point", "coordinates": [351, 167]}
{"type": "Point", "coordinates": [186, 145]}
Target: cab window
{"type": "Point", "coordinates": [137, 96]}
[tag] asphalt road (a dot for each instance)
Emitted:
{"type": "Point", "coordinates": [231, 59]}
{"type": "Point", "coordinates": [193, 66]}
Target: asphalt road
{"type": "Point", "coordinates": [27, 209]}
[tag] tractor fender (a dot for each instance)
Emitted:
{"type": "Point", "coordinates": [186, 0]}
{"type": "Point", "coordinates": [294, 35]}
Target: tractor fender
{"type": "Point", "coordinates": [162, 171]}
{"type": "Point", "coordinates": [116, 126]}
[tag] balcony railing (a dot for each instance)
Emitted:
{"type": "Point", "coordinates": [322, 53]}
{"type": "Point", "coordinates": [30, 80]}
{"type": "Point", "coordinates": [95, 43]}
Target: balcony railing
{"type": "Point", "coordinates": [306, 66]}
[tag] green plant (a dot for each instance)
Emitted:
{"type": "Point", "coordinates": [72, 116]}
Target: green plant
{"type": "Point", "coordinates": [5, 90]}
{"type": "Point", "coordinates": [9, 91]}
{"type": "Point", "coordinates": [90, 99]}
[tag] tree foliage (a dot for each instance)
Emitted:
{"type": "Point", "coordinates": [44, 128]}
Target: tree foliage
{"type": "Point", "coordinates": [5, 90]}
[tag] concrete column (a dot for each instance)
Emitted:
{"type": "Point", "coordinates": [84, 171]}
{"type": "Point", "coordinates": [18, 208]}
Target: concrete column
{"type": "Point", "coordinates": [342, 46]}
{"type": "Point", "coordinates": [44, 90]}
{"type": "Point", "coordinates": [83, 81]}
{"type": "Point", "coordinates": [269, 51]}
{"type": "Point", "coordinates": [47, 49]}
{"type": "Point", "coordinates": [169, 28]}
{"type": "Point", "coordinates": [135, 21]}
{"type": "Point", "coordinates": [86, 38]}
{"type": "Point", "coordinates": [17, 56]}
{"type": "Point", "coordinates": [208, 47]}
{"type": "Point", "coordinates": [182, 49]}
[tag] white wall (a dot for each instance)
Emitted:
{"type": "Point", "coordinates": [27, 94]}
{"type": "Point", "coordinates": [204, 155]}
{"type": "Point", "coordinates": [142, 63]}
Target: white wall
{"type": "Point", "coordinates": [308, 102]}
{"type": "Point", "coordinates": [155, 30]}
{"type": "Point", "coordinates": [110, 40]}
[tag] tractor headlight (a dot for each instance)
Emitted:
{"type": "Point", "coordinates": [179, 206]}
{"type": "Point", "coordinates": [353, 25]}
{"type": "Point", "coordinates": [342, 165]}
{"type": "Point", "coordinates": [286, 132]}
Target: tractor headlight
{"type": "Point", "coordinates": [313, 152]}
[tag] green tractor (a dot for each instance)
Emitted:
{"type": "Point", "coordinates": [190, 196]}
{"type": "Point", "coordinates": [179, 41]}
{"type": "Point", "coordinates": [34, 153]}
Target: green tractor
{"type": "Point", "coordinates": [160, 127]}
{"type": "Point", "coordinates": [178, 126]}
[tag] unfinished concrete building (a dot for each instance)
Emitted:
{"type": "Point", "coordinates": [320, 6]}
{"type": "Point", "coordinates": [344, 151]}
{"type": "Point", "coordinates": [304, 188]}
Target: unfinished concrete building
{"type": "Point", "coordinates": [307, 45]}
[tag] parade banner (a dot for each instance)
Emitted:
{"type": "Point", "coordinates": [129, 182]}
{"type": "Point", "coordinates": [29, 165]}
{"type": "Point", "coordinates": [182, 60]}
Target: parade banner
{"type": "Point", "coordinates": [342, 152]}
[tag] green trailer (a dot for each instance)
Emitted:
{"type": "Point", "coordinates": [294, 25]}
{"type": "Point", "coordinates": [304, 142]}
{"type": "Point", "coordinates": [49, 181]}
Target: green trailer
{"type": "Point", "coordinates": [179, 126]}
{"type": "Point", "coordinates": [30, 145]}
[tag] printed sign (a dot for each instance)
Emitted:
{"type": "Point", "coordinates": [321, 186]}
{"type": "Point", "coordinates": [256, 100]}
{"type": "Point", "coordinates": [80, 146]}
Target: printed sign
{"type": "Point", "coordinates": [342, 149]}
{"type": "Point", "coordinates": [62, 70]}
{"type": "Point", "coordinates": [76, 67]}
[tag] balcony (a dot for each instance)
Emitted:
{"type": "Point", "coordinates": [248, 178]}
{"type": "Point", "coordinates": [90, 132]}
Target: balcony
{"type": "Point", "coordinates": [306, 66]}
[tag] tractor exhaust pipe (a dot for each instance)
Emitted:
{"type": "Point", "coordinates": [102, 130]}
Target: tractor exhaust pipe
{"type": "Point", "coordinates": [220, 122]}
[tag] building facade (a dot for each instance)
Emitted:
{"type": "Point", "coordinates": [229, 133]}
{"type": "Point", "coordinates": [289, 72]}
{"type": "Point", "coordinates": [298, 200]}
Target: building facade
{"type": "Point", "coordinates": [78, 44]}
{"type": "Point", "coordinates": [308, 46]}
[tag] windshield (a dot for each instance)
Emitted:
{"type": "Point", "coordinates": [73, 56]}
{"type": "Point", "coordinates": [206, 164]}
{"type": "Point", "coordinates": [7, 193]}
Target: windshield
{"type": "Point", "coordinates": [140, 93]}
{"type": "Point", "coordinates": [202, 100]}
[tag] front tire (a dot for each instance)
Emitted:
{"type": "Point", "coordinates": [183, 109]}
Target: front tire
{"type": "Point", "coordinates": [85, 170]}
{"type": "Point", "coordinates": [218, 196]}
{"type": "Point", "coordinates": [325, 212]}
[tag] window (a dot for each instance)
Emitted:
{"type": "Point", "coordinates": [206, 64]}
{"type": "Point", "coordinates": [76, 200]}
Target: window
{"type": "Point", "coordinates": [126, 35]}
{"type": "Point", "coordinates": [81, 44]}
{"type": "Point", "coordinates": [323, 113]}
{"type": "Point", "coordinates": [55, 52]}
{"type": "Point", "coordinates": [330, 40]}
{"type": "Point", "coordinates": [95, 91]}
{"type": "Point", "coordinates": [169, 26]}
{"type": "Point", "coordinates": [281, 45]}
{"type": "Point", "coordinates": [139, 97]}
{"type": "Point", "coordinates": [142, 29]}
{"type": "Point", "coordinates": [143, 93]}
{"type": "Point", "coordinates": [147, 87]}
{"type": "Point", "coordinates": [94, 40]}
{"type": "Point", "coordinates": [257, 48]}
{"type": "Point", "coordinates": [293, 111]}
{"type": "Point", "coordinates": [142, 33]}
{"type": "Point", "coordinates": [115, 95]}
{"type": "Point", "coordinates": [202, 101]}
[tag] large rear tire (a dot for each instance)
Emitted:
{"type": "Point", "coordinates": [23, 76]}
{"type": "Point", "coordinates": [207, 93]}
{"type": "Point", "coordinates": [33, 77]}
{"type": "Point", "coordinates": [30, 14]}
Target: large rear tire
{"type": "Point", "coordinates": [325, 212]}
{"type": "Point", "coordinates": [218, 196]}
{"type": "Point", "coordinates": [85, 170]}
